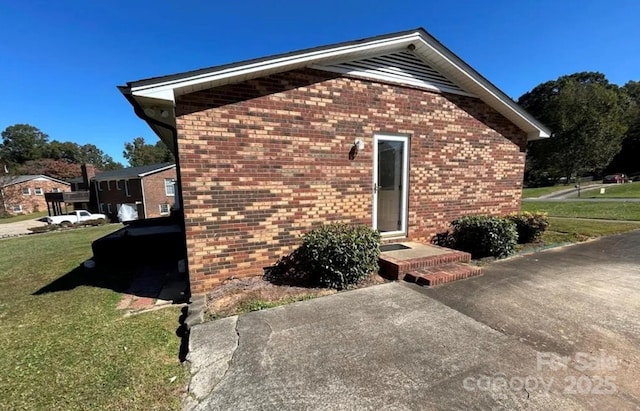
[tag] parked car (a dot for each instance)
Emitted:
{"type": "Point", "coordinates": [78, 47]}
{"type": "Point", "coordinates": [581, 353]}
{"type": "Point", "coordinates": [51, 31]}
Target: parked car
{"type": "Point", "coordinates": [617, 178]}
{"type": "Point", "coordinates": [74, 217]}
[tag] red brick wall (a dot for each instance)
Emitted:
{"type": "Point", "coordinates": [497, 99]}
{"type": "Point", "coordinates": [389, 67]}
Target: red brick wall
{"type": "Point", "coordinates": [108, 193]}
{"type": "Point", "coordinates": [30, 202]}
{"type": "Point", "coordinates": [264, 161]}
{"type": "Point", "coordinates": [155, 193]}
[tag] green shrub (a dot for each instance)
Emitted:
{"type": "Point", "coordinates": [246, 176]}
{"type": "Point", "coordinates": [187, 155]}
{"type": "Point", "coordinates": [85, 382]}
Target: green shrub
{"type": "Point", "coordinates": [530, 226]}
{"type": "Point", "coordinates": [485, 236]}
{"type": "Point", "coordinates": [339, 255]}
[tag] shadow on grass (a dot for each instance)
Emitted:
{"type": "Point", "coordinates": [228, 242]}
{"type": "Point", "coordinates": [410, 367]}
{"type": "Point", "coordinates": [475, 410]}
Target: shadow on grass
{"type": "Point", "coordinates": [144, 280]}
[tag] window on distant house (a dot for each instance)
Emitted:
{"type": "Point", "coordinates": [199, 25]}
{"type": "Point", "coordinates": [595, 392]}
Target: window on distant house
{"type": "Point", "coordinates": [17, 208]}
{"type": "Point", "coordinates": [109, 208]}
{"type": "Point", "coordinates": [126, 188]}
{"type": "Point", "coordinates": [118, 185]}
{"type": "Point", "coordinates": [38, 191]}
{"type": "Point", "coordinates": [55, 190]}
{"type": "Point", "coordinates": [101, 207]}
{"type": "Point", "coordinates": [170, 186]}
{"type": "Point", "coordinates": [164, 209]}
{"type": "Point", "coordinates": [26, 191]}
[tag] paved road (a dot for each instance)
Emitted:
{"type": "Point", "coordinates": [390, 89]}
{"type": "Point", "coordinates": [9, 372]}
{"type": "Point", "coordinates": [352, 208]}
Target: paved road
{"type": "Point", "coordinates": [18, 228]}
{"type": "Point", "coordinates": [553, 330]}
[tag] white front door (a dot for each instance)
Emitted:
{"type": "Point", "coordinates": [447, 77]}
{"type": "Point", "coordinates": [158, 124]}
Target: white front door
{"type": "Point", "coordinates": [390, 184]}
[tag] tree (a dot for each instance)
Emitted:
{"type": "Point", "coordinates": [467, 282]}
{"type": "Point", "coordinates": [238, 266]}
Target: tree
{"type": "Point", "coordinates": [627, 159]}
{"type": "Point", "coordinates": [60, 169]}
{"type": "Point", "coordinates": [587, 116]}
{"type": "Point", "coordinates": [64, 151]}
{"type": "Point", "coordinates": [139, 153]}
{"type": "Point", "coordinates": [22, 142]}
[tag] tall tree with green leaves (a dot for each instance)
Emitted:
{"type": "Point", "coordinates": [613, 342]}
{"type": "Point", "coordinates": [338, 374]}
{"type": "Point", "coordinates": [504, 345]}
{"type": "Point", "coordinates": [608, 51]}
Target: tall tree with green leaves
{"type": "Point", "coordinates": [627, 159]}
{"type": "Point", "coordinates": [587, 116]}
{"type": "Point", "coordinates": [140, 153]}
{"type": "Point", "coordinates": [22, 142]}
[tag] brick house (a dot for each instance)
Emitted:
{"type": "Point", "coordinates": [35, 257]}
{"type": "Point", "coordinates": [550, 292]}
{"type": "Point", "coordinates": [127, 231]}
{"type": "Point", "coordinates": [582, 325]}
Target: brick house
{"type": "Point", "coordinates": [394, 131]}
{"type": "Point", "coordinates": [149, 190]}
{"type": "Point", "coordinates": [26, 194]}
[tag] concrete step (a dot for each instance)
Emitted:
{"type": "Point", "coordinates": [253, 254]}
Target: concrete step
{"type": "Point", "coordinates": [442, 274]}
{"type": "Point", "coordinates": [395, 266]}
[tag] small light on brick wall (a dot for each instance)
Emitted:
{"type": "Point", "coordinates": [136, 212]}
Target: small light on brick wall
{"type": "Point", "coordinates": [355, 148]}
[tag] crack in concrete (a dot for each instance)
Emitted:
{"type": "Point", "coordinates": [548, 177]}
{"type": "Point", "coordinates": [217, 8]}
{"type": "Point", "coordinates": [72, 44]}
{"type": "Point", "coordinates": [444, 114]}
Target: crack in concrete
{"type": "Point", "coordinates": [230, 362]}
{"type": "Point", "coordinates": [200, 399]}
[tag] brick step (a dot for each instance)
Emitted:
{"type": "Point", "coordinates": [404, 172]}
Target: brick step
{"type": "Point", "coordinates": [396, 269]}
{"type": "Point", "coordinates": [442, 274]}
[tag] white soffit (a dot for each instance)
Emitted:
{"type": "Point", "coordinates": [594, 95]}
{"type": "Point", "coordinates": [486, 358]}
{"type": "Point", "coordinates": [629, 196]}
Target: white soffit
{"type": "Point", "coordinates": [412, 58]}
{"type": "Point", "coordinates": [402, 67]}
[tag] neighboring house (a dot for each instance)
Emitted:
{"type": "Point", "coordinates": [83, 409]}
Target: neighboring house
{"type": "Point", "coordinates": [394, 131]}
{"type": "Point", "coordinates": [147, 190]}
{"type": "Point", "coordinates": [26, 194]}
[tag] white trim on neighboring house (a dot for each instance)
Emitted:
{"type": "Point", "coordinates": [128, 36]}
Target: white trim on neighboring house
{"type": "Point", "coordinates": [101, 208]}
{"type": "Point", "coordinates": [38, 191]}
{"type": "Point", "coordinates": [144, 198]}
{"type": "Point", "coordinates": [156, 97]}
{"type": "Point", "coordinates": [126, 188]}
{"type": "Point", "coordinates": [118, 187]}
{"type": "Point", "coordinates": [19, 206]}
{"type": "Point", "coordinates": [172, 183]}
{"type": "Point", "coordinates": [26, 191]}
{"type": "Point", "coordinates": [168, 206]}
{"type": "Point", "coordinates": [109, 210]}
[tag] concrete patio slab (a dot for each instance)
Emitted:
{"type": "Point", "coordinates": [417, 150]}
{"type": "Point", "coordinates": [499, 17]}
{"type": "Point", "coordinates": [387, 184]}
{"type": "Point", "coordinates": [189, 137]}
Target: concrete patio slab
{"type": "Point", "coordinates": [555, 330]}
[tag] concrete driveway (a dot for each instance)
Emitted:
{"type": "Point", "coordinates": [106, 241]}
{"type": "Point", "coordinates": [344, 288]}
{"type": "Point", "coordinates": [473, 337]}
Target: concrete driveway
{"type": "Point", "coordinates": [553, 330]}
{"type": "Point", "coordinates": [19, 228]}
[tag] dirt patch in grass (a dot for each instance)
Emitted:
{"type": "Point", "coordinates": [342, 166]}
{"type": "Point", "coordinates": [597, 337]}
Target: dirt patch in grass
{"type": "Point", "coordinates": [242, 295]}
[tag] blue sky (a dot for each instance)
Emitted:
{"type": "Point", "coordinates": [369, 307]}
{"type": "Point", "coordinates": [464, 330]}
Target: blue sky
{"type": "Point", "coordinates": [60, 61]}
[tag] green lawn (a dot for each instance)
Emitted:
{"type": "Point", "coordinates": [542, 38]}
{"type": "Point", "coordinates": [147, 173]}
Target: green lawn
{"type": "Point", "coordinates": [71, 349]}
{"type": "Point", "coordinates": [573, 230]}
{"type": "Point", "coordinates": [585, 209]}
{"type": "Point", "coordinates": [23, 217]}
{"type": "Point", "coordinates": [541, 191]}
{"type": "Point", "coordinates": [631, 190]}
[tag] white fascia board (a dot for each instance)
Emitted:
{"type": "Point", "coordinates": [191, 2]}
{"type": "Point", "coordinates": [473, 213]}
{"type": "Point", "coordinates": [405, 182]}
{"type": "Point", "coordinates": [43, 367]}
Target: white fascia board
{"type": "Point", "coordinates": [163, 90]}
{"type": "Point", "coordinates": [157, 94]}
{"type": "Point", "coordinates": [157, 170]}
{"type": "Point", "coordinates": [537, 133]}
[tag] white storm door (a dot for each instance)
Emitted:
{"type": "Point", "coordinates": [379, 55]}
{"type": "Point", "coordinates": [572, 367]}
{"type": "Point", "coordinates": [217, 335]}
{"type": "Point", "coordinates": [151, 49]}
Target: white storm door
{"type": "Point", "coordinates": [390, 184]}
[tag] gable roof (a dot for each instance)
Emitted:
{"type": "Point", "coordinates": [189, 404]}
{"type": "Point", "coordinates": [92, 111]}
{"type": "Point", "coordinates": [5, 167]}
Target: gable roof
{"type": "Point", "coordinates": [153, 99]}
{"type": "Point", "coordinates": [29, 177]}
{"type": "Point", "coordinates": [132, 172]}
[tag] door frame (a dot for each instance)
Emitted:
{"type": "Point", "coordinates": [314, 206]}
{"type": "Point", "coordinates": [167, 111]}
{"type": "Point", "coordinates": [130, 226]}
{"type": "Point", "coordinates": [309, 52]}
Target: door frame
{"type": "Point", "coordinates": [404, 201]}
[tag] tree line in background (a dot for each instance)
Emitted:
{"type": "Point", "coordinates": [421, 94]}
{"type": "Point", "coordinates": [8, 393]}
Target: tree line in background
{"type": "Point", "coordinates": [27, 150]}
{"type": "Point", "coordinates": [595, 126]}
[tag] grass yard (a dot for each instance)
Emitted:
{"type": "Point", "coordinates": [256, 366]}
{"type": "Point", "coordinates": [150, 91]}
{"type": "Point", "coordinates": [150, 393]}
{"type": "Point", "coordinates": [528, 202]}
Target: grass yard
{"type": "Point", "coordinates": [541, 191]}
{"type": "Point", "coordinates": [562, 230]}
{"type": "Point", "coordinates": [631, 190]}
{"type": "Point", "coordinates": [585, 209]}
{"type": "Point", "coordinates": [71, 349]}
{"type": "Point", "coordinates": [23, 217]}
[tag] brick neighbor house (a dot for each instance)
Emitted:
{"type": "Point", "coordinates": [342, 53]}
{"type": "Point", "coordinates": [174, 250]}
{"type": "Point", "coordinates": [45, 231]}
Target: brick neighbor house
{"type": "Point", "coordinates": [149, 190]}
{"type": "Point", "coordinates": [394, 131]}
{"type": "Point", "coordinates": [26, 194]}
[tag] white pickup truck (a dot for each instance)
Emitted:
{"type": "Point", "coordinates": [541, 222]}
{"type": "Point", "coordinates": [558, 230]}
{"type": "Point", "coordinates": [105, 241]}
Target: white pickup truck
{"type": "Point", "coordinates": [74, 217]}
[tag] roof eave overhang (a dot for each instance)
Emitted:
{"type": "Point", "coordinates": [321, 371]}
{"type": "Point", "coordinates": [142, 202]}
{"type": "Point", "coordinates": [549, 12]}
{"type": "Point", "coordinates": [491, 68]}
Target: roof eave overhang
{"type": "Point", "coordinates": [159, 96]}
